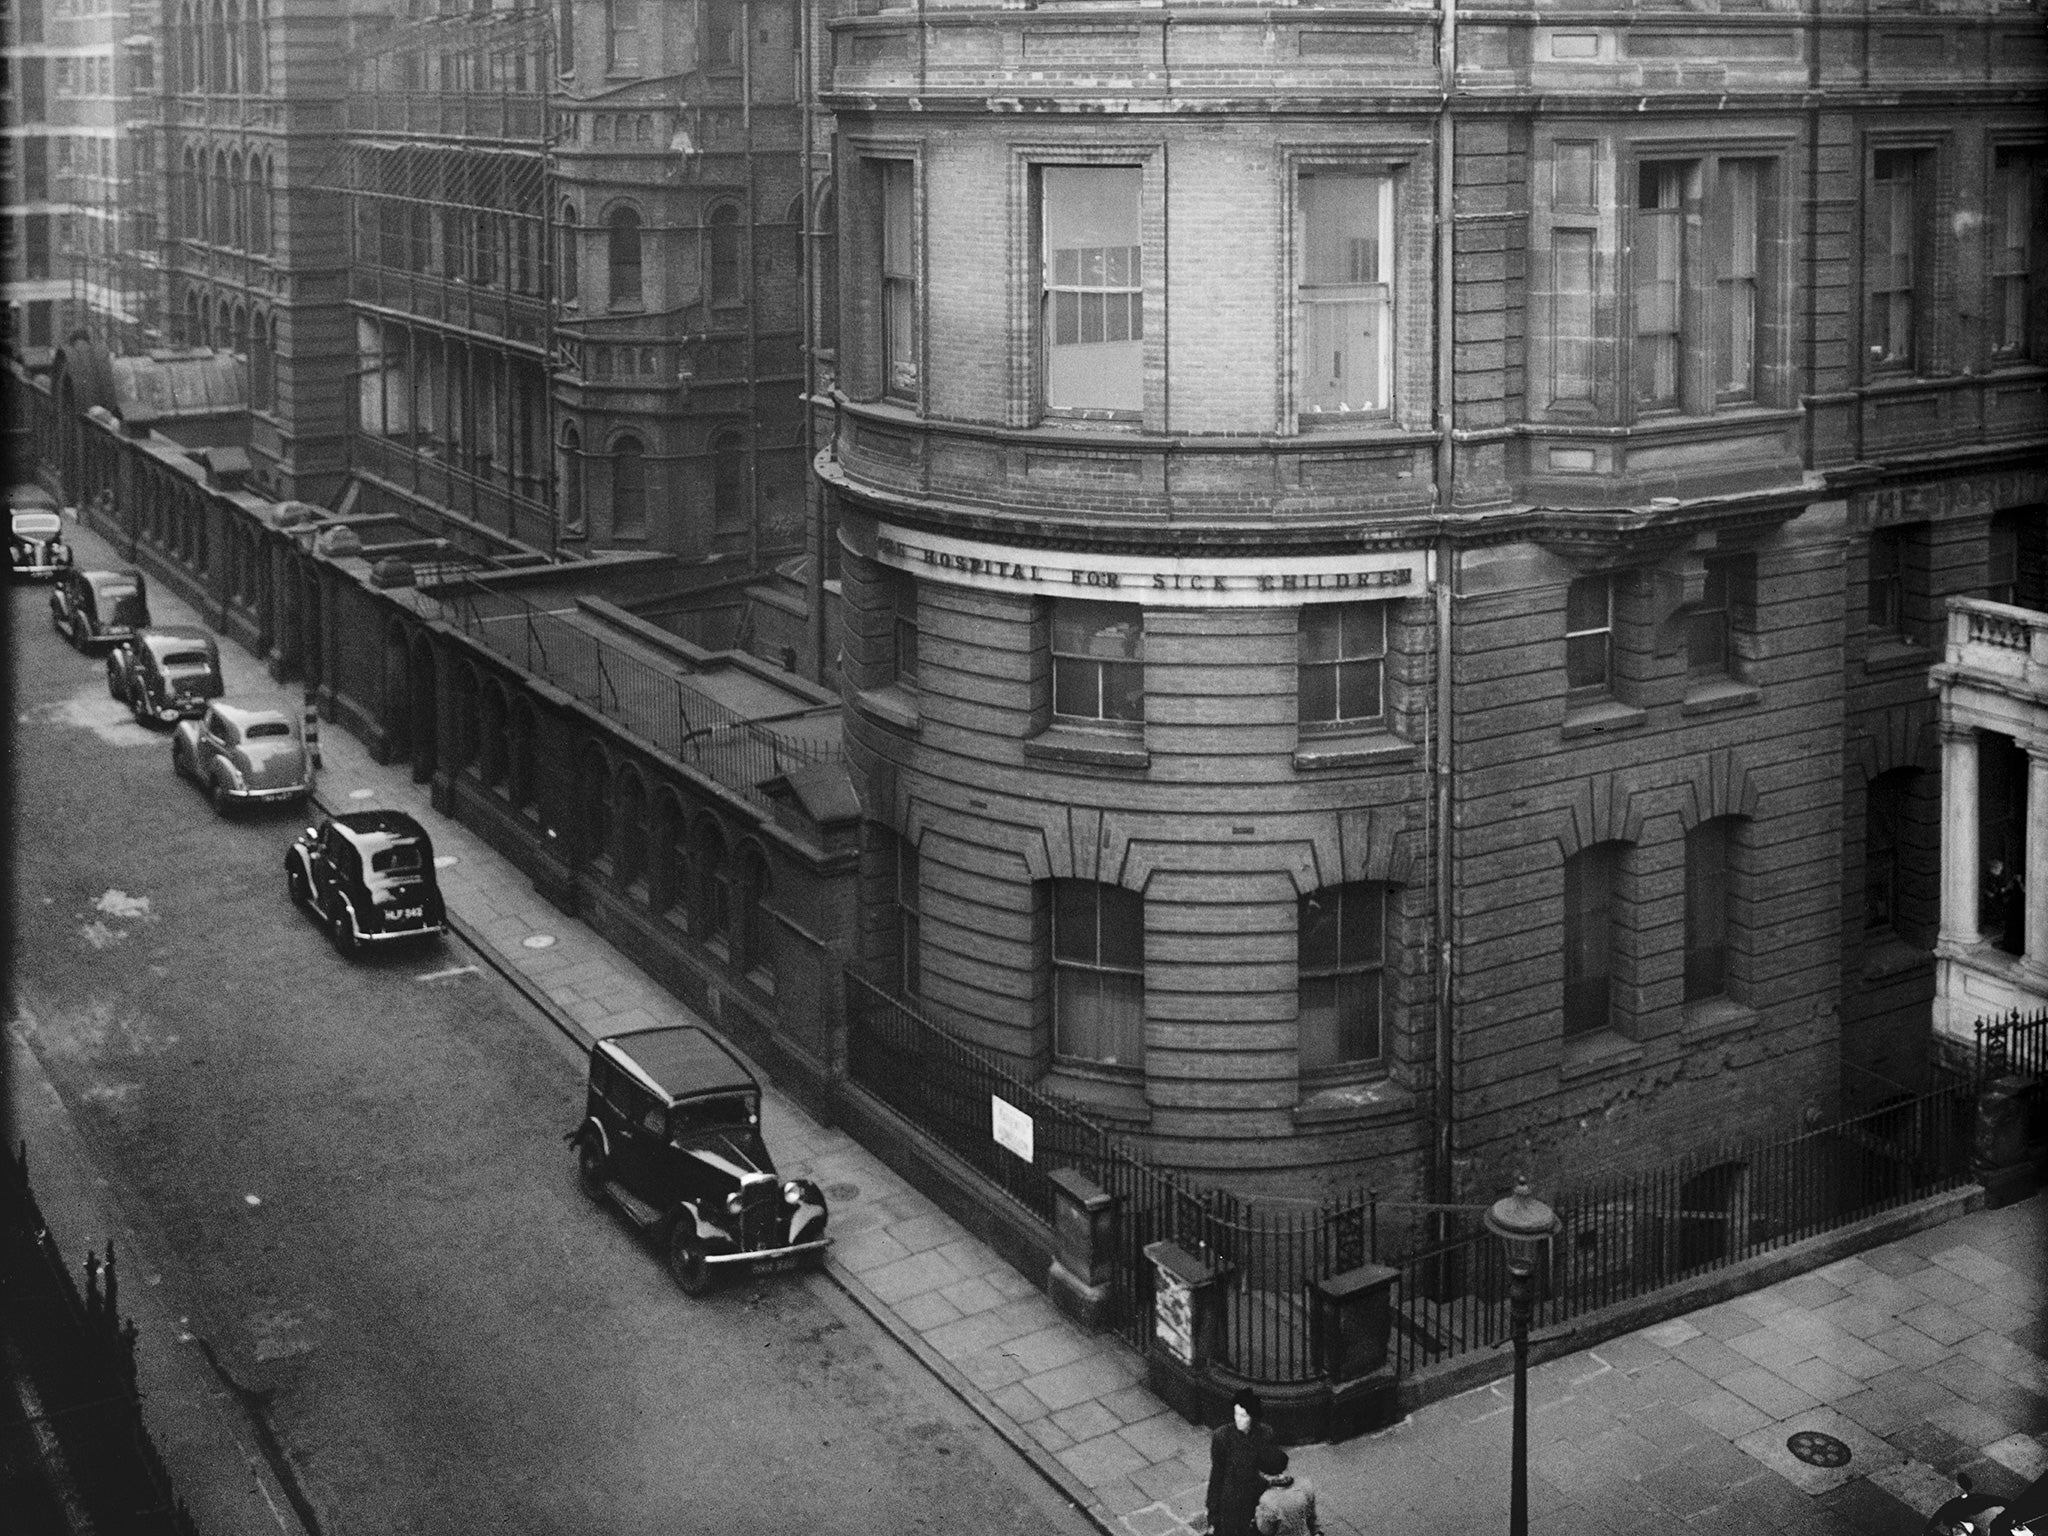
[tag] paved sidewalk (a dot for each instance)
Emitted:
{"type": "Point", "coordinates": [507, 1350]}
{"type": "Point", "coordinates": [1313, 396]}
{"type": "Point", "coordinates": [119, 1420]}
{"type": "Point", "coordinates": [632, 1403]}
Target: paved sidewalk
{"type": "Point", "coordinates": [1924, 1357]}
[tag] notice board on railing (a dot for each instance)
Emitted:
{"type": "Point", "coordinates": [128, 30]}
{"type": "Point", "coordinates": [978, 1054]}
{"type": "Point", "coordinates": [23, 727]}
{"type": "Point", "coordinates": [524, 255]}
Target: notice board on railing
{"type": "Point", "coordinates": [1010, 1127]}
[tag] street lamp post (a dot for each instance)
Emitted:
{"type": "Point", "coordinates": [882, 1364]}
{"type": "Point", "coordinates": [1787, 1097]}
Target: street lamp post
{"type": "Point", "coordinates": [1525, 1226]}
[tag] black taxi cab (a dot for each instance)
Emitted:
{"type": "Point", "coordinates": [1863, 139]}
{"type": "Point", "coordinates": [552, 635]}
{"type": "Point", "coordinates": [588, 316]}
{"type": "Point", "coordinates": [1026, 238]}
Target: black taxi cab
{"type": "Point", "coordinates": [369, 878]}
{"type": "Point", "coordinates": [671, 1135]}
{"type": "Point", "coordinates": [91, 608]}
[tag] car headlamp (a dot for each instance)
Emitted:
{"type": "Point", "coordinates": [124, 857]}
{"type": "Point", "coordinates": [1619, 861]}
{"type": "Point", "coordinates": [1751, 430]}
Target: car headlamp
{"type": "Point", "coordinates": [793, 1192]}
{"type": "Point", "coordinates": [732, 1204]}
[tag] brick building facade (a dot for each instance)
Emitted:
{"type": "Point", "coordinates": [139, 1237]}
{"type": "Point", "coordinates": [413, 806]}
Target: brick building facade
{"type": "Point", "coordinates": [1381, 595]}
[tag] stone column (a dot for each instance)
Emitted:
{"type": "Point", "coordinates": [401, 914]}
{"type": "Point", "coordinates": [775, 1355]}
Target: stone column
{"type": "Point", "coordinates": [2037, 865]}
{"type": "Point", "coordinates": [1960, 877]}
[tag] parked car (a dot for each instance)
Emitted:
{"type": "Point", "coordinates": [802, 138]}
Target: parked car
{"type": "Point", "coordinates": [93, 607]}
{"type": "Point", "coordinates": [369, 877]}
{"type": "Point", "coordinates": [671, 1134]}
{"type": "Point", "coordinates": [35, 533]}
{"type": "Point", "coordinates": [243, 756]}
{"type": "Point", "coordinates": [165, 674]}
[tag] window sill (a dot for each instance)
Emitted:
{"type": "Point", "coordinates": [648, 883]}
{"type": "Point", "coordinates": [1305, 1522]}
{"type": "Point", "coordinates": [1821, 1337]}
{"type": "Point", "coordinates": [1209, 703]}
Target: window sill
{"type": "Point", "coordinates": [1598, 718]}
{"type": "Point", "coordinates": [1891, 654]}
{"type": "Point", "coordinates": [1090, 748]}
{"type": "Point", "coordinates": [1361, 1103]}
{"type": "Point", "coordinates": [1712, 1017]}
{"type": "Point", "coordinates": [892, 705]}
{"type": "Point", "coordinates": [1722, 693]}
{"type": "Point", "coordinates": [1106, 1095]}
{"type": "Point", "coordinates": [1886, 955]}
{"type": "Point", "coordinates": [1353, 749]}
{"type": "Point", "coordinates": [1597, 1050]}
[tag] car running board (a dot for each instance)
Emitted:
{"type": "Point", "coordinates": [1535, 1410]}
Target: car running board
{"type": "Point", "coordinates": [642, 1214]}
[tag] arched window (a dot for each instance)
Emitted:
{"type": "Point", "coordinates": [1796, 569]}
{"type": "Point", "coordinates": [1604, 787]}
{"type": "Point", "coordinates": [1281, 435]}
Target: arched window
{"type": "Point", "coordinates": [629, 488]}
{"type": "Point", "coordinates": [187, 61]}
{"type": "Point", "coordinates": [622, 35]}
{"type": "Point", "coordinates": [721, 34]}
{"type": "Point", "coordinates": [259, 207]}
{"type": "Point", "coordinates": [622, 232]}
{"type": "Point", "coordinates": [522, 784]}
{"type": "Point", "coordinates": [672, 865]}
{"type": "Point", "coordinates": [194, 220]}
{"type": "Point", "coordinates": [461, 743]}
{"type": "Point", "coordinates": [218, 77]}
{"type": "Point", "coordinates": [565, 38]}
{"type": "Point", "coordinates": [231, 24]}
{"type": "Point", "coordinates": [633, 834]}
{"type": "Point", "coordinates": [494, 737]}
{"type": "Point", "coordinates": [754, 926]}
{"type": "Point", "coordinates": [260, 376]}
{"type": "Point", "coordinates": [725, 255]}
{"type": "Point", "coordinates": [238, 204]}
{"type": "Point", "coordinates": [568, 279]}
{"type": "Point", "coordinates": [223, 230]}
{"type": "Point", "coordinates": [732, 505]}
{"type": "Point", "coordinates": [594, 807]}
{"type": "Point", "coordinates": [712, 893]}
{"type": "Point", "coordinates": [572, 480]}
{"type": "Point", "coordinates": [255, 45]}
{"type": "Point", "coordinates": [1591, 878]}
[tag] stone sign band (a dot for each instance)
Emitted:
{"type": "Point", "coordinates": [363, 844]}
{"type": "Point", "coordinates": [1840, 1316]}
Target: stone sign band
{"type": "Point", "coordinates": [1219, 581]}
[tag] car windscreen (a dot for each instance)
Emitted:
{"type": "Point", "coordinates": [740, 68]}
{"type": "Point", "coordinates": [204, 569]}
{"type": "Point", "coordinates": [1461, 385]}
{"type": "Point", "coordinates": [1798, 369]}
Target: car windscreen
{"type": "Point", "coordinates": [36, 525]}
{"type": "Point", "coordinates": [263, 728]}
{"type": "Point", "coordinates": [398, 859]}
{"type": "Point", "coordinates": [188, 661]}
{"type": "Point", "coordinates": [725, 1111]}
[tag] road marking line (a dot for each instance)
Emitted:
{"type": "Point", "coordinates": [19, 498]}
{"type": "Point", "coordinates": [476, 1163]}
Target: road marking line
{"type": "Point", "coordinates": [453, 970]}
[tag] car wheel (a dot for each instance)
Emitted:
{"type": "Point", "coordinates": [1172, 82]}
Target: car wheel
{"type": "Point", "coordinates": [686, 1257]}
{"type": "Point", "coordinates": [114, 681]}
{"type": "Point", "coordinates": [77, 633]}
{"type": "Point", "coordinates": [340, 929]}
{"type": "Point", "coordinates": [178, 759]}
{"type": "Point", "coordinates": [217, 792]}
{"type": "Point", "coordinates": [295, 883]}
{"type": "Point", "coordinates": [590, 1170]}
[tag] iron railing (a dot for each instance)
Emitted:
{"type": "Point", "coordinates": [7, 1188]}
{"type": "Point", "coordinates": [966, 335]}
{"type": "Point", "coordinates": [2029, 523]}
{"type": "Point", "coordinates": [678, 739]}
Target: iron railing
{"type": "Point", "coordinates": [653, 702]}
{"type": "Point", "coordinates": [1631, 1236]}
{"type": "Point", "coordinates": [1619, 1239]}
{"type": "Point", "coordinates": [79, 1355]}
{"type": "Point", "coordinates": [2016, 1044]}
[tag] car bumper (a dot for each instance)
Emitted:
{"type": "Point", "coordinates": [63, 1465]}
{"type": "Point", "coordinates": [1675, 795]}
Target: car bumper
{"type": "Point", "coordinates": [184, 709]}
{"type": "Point", "coordinates": [392, 936]}
{"type": "Point", "coordinates": [789, 1255]}
{"type": "Point", "coordinates": [270, 796]}
{"type": "Point", "coordinates": [40, 570]}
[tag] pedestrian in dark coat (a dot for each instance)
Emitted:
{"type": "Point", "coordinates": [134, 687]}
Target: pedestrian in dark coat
{"type": "Point", "coordinates": [1234, 1480]}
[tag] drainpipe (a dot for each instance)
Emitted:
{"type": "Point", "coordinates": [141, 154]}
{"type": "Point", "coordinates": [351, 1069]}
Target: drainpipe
{"type": "Point", "coordinates": [809, 244]}
{"type": "Point", "coordinates": [1443, 1142]}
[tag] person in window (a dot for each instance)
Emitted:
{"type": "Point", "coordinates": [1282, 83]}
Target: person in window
{"type": "Point", "coordinates": [2005, 907]}
{"type": "Point", "coordinates": [1234, 1481]}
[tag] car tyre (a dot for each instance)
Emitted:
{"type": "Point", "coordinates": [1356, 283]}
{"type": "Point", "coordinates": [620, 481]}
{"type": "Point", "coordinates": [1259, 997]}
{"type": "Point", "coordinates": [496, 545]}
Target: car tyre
{"type": "Point", "coordinates": [340, 930]}
{"type": "Point", "coordinates": [79, 639]}
{"type": "Point", "coordinates": [590, 1169]}
{"type": "Point", "coordinates": [295, 883]}
{"type": "Point", "coordinates": [217, 792]}
{"type": "Point", "coordinates": [686, 1257]}
{"type": "Point", "coordinates": [114, 681]}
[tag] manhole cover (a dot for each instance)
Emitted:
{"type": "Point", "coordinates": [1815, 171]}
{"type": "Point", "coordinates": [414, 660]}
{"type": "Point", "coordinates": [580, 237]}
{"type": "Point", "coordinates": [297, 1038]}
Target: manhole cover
{"type": "Point", "coordinates": [539, 941]}
{"type": "Point", "coordinates": [1817, 1449]}
{"type": "Point", "coordinates": [842, 1191]}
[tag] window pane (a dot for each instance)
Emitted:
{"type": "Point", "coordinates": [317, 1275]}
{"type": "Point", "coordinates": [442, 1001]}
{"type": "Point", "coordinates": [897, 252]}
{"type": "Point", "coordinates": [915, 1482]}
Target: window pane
{"type": "Point", "coordinates": [1110, 630]}
{"type": "Point", "coordinates": [1572, 354]}
{"type": "Point", "coordinates": [1345, 297]}
{"type": "Point", "coordinates": [1094, 266]}
{"type": "Point", "coordinates": [1587, 604]}
{"type": "Point", "coordinates": [1706, 909]}
{"type": "Point", "coordinates": [1074, 920]}
{"type": "Point", "coordinates": [1588, 918]}
{"type": "Point", "coordinates": [1341, 944]}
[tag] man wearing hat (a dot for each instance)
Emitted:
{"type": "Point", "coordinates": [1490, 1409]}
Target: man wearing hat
{"type": "Point", "coordinates": [1288, 1506]}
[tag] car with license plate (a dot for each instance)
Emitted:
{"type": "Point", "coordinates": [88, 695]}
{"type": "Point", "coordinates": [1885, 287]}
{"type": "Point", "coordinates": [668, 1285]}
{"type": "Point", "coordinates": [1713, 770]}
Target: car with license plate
{"type": "Point", "coordinates": [93, 608]}
{"type": "Point", "coordinates": [35, 533]}
{"type": "Point", "coordinates": [369, 877]}
{"type": "Point", "coordinates": [671, 1135]}
{"type": "Point", "coordinates": [243, 756]}
{"type": "Point", "coordinates": [165, 674]}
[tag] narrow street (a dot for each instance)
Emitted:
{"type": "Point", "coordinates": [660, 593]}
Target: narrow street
{"type": "Point", "coordinates": [349, 1178]}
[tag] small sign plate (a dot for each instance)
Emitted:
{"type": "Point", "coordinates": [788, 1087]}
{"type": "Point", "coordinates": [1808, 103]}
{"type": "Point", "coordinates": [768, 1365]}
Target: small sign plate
{"type": "Point", "coordinates": [1010, 1126]}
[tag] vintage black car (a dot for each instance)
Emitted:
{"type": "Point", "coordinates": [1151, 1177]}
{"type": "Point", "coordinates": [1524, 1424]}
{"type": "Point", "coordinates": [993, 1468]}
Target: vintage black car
{"type": "Point", "coordinates": [671, 1134]}
{"type": "Point", "coordinates": [165, 674]}
{"type": "Point", "coordinates": [369, 877]}
{"type": "Point", "coordinates": [35, 533]}
{"type": "Point", "coordinates": [92, 608]}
